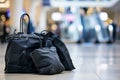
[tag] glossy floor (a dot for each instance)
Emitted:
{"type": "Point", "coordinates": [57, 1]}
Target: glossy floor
{"type": "Point", "coordinates": [92, 62]}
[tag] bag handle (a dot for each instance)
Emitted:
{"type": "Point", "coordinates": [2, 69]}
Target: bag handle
{"type": "Point", "coordinates": [48, 34]}
{"type": "Point", "coordinates": [44, 32]}
{"type": "Point", "coordinates": [21, 23]}
{"type": "Point", "coordinates": [47, 38]}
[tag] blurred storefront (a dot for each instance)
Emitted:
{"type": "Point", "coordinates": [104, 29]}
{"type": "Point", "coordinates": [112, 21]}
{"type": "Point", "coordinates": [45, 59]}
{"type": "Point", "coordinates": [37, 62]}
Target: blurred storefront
{"type": "Point", "coordinates": [83, 21]}
{"type": "Point", "coordinates": [73, 20]}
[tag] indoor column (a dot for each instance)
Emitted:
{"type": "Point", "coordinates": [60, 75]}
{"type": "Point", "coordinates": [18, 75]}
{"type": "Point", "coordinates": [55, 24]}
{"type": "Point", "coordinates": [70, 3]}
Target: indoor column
{"type": "Point", "coordinates": [16, 8]}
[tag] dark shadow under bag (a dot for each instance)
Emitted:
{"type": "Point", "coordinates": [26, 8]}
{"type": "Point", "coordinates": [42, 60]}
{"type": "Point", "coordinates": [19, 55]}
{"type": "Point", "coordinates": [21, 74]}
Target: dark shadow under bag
{"type": "Point", "coordinates": [17, 57]}
{"type": "Point", "coordinates": [46, 60]}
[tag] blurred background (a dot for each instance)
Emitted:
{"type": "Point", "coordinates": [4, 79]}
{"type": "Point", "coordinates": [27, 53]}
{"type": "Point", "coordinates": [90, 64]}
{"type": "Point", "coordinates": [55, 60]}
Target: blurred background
{"type": "Point", "coordinates": [75, 21]}
{"type": "Point", "coordinates": [92, 27]}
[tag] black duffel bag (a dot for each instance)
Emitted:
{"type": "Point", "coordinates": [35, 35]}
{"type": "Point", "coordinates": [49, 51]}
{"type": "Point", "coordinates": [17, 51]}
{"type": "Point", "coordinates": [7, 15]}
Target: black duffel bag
{"type": "Point", "coordinates": [46, 59]}
{"type": "Point", "coordinates": [62, 50]}
{"type": "Point", "coordinates": [20, 45]}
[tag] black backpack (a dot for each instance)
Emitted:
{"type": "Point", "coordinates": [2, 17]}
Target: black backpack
{"type": "Point", "coordinates": [46, 59]}
{"type": "Point", "coordinates": [20, 45]}
{"type": "Point", "coordinates": [19, 57]}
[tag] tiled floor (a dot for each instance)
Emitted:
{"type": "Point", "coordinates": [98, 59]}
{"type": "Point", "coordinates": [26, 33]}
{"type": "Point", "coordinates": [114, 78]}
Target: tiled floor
{"type": "Point", "coordinates": [92, 62]}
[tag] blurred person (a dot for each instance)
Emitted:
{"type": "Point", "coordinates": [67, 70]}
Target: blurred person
{"type": "Point", "coordinates": [55, 29]}
{"type": "Point", "coordinates": [113, 36]}
{"type": "Point", "coordinates": [32, 28]}
{"type": "Point", "coordinates": [111, 29]}
{"type": "Point", "coordinates": [7, 28]}
{"type": "Point", "coordinates": [114, 31]}
{"type": "Point", "coordinates": [27, 23]}
{"type": "Point", "coordinates": [1, 30]}
{"type": "Point", "coordinates": [83, 12]}
{"type": "Point", "coordinates": [4, 30]}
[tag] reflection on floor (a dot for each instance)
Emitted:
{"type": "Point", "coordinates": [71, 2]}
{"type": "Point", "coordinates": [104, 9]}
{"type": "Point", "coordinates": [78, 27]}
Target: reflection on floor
{"type": "Point", "coordinates": [92, 62]}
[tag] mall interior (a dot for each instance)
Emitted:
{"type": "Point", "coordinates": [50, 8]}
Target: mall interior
{"type": "Point", "coordinates": [90, 30]}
